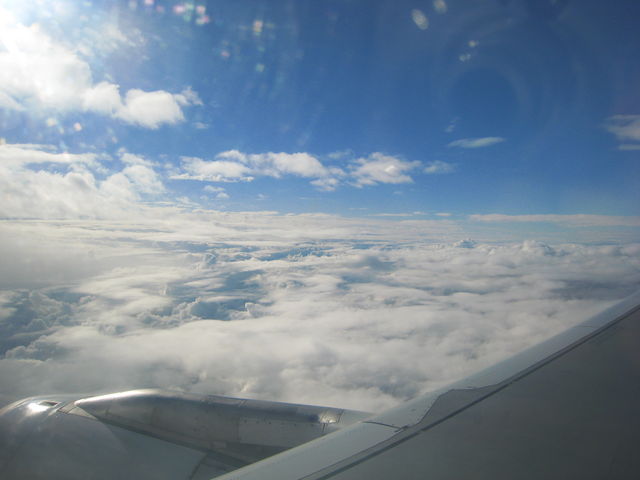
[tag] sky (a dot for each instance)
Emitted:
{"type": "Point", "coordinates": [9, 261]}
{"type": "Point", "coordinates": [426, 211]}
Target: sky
{"type": "Point", "coordinates": [334, 202]}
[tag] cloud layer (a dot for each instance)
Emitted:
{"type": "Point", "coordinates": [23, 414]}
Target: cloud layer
{"type": "Point", "coordinates": [576, 220]}
{"type": "Point", "coordinates": [306, 308]}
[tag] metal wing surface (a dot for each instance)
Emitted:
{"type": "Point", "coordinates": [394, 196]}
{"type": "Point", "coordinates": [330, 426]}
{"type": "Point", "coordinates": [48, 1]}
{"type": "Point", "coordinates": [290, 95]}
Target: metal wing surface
{"type": "Point", "coordinates": [568, 408]}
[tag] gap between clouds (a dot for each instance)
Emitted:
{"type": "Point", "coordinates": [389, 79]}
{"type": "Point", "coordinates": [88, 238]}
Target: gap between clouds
{"type": "Point", "coordinates": [39, 74]}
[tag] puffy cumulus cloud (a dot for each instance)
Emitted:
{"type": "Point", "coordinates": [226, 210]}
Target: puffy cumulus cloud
{"type": "Point", "coordinates": [439, 167]}
{"type": "Point", "coordinates": [35, 183]}
{"type": "Point", "coordinates": [214, 171]}
{"type": "Point", "coordinates": [307, 308]}
{"type": "Point", "coordinates": [152, 109]}
{"type": "Point", "coordinates": [476, 142]}
{"type": "Point", "coordinates": [277, 164]}
{"type": "Point", "coordinates": [236, 166]}
{"type": "Point", "coordinates": [380, 168]}
{"type": "Point", "coordinates": [36, 70]}
{"type": "Point", "coordinates": [576, 220]}
{"type": "Point", "coordinates": [36, 73]}
{"type": "Point", "coordinates": [145, 109]}
{"type": "Point", "coordinates": [102, 98]}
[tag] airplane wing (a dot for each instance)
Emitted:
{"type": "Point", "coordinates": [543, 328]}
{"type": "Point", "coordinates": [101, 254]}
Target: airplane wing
{"type": "Point", "coordinates": [567, 408]}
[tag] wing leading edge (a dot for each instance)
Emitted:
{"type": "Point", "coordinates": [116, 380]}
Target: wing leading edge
{"type": "Point", "coordinates": [568, 408]}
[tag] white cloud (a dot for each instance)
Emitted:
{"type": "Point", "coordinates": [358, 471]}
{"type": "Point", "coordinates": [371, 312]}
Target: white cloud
{"type": "Point", "coordinates": [151, 109]}
{"type": "Point", "coordinates": [438, 167]}
{"type": "Point", "coordinates": [218, 191]}
{"type": "Point", "coordinates": [144, 178]}
{"type": "Point", "coordinates": [304, 308]}
{"type": "Point", "coordinates": [74, 187]}
{"type": "Point", "coordinates": [212, 189]}
{"type": "Point", "coordinates": [380, 168]}
{"type": "Point", "coordinates": [214, 171]}
{"type": "Point", "coordinates": [278, 164]}
{"type": "Point", "coordinates": [102, 98]}
{"type": "Point", "coordinates": [234, 166]}
{"type": "Point", "coordinates": [393, 214]}
{"type": "Point", "coordinates": [577, 220]}
{"type": "Point", "coordinates": [300, 164]}
{"type": "Point", "coordinates": [626, 128]}
{"type": "Point", "coordinates": [132, 159]}
{"type": "Point", "coordinates": [327, 184]}
{"type": "Point", "coordinates": [38, 74]}
{"type": "Point", "coordinates": [17, 155]}
{"type": "Point", "coordinates": [35, 70]}
{"type": "Point", "coordinates": [476, 142]}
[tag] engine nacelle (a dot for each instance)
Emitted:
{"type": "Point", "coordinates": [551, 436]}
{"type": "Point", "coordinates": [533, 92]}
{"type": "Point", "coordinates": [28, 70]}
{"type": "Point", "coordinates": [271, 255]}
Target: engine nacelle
{"type": "Point", "coordinates": [152, 434]}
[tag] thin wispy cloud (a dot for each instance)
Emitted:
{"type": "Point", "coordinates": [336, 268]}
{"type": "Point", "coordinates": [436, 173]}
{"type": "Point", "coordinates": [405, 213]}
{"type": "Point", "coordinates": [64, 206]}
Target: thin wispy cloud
{"type": "Point", "coordinates": [439, 167]}
{"type": "Point", "coordinates": [22, 155]}
{"type": "Point", "coordinates": [476, 142]}
{"type": "Point", "coordinates": [626, 128]}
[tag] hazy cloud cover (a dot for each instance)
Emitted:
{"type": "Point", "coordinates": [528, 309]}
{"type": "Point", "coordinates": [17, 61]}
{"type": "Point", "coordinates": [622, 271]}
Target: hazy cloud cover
{"type": "Point", "coordinates": [306, 308]}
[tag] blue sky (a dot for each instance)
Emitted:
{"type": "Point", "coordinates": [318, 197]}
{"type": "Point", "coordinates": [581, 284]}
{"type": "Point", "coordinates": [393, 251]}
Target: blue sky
{"type": "Point", "coordinates": [461, 107]}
